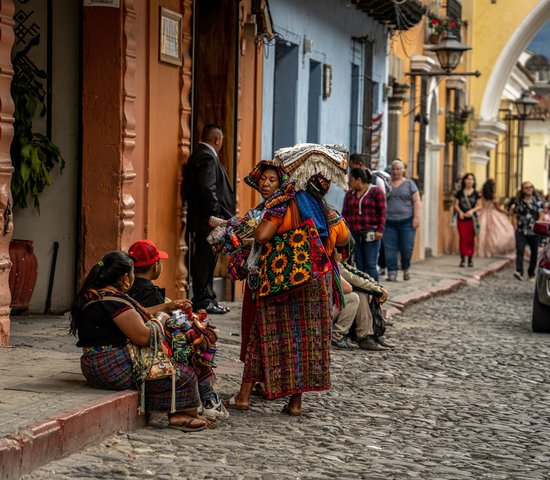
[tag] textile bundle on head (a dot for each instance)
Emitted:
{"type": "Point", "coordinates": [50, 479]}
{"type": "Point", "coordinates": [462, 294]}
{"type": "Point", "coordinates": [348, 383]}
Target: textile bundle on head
{"type": "Point", "coordinates": [304, 160]}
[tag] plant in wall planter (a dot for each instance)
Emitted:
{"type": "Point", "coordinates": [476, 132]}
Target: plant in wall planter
{"type": "Point", "coordinates": [33, 157]}
{"type": "Point", "coordinates": [455, 131]}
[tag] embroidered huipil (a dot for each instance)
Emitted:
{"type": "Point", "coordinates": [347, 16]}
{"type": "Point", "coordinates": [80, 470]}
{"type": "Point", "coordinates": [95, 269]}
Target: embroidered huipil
{"type": "Point", "coordinates": [367, 212]}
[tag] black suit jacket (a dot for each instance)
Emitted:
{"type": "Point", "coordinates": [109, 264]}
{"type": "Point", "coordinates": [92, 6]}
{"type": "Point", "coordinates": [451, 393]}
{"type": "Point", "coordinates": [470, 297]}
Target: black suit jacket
{"type": "Point", "coordinates": [206, 189]}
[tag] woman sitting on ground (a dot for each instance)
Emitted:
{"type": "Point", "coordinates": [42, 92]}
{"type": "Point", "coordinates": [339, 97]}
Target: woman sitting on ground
{"type": "Point", "coordinates": [106, 321]}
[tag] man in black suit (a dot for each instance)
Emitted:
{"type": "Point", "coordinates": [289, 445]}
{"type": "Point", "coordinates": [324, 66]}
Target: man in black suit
{"type": "Point", "coordinates": [208, 192]}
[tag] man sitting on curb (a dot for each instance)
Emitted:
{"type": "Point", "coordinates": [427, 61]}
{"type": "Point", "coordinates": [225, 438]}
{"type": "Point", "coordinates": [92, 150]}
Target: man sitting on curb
{"type": "Point", "coordinates": [148, 267]}
{"type": "Point", "coordinates": [358, 287]}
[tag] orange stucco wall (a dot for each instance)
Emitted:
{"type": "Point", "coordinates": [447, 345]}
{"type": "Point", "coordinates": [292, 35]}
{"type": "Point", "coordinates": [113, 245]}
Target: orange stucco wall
{"type": "Point", "coordinates": [101, 134]}
{"type": "Point", "coordinates": [163, 91]}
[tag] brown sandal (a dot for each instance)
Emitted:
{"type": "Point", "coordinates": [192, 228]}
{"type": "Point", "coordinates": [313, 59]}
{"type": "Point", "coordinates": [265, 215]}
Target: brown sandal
{"type": "Point", "coordinates": [187, 426]}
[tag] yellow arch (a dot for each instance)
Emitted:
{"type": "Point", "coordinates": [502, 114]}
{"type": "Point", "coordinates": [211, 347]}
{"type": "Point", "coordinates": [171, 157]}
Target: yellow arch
{"type": "Point", "coordinates": [500, 32]}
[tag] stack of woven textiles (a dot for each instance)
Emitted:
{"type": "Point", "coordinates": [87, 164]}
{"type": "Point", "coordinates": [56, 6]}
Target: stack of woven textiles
{"type": "Point", "coordinates": [193, 340]}
{"type": "Point", "coordinates": [234, 238]}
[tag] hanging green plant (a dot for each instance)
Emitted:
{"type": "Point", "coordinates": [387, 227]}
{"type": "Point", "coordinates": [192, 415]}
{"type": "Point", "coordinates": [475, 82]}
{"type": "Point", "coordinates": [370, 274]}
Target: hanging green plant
{"type": "Point", "coordinates": [33, 154]}
{"type": "Point", "coordinates": [455, 132]}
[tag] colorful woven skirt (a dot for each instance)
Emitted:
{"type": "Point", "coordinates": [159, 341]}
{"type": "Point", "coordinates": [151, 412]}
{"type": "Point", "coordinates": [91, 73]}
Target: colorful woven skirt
{"type": "Point", "coordinates": [289, 346]}
{"type": "Point", "coordinates": [111, 369]}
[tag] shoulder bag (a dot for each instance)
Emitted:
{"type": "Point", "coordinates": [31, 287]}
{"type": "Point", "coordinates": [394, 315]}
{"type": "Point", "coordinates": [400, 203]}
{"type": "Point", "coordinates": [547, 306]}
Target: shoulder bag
{"type": "Point", "coordinates": [475, 218]}
{"type": "Point", "coordinates": [152, 362]}
{"type": "Point", "coordinates": [292, 260]}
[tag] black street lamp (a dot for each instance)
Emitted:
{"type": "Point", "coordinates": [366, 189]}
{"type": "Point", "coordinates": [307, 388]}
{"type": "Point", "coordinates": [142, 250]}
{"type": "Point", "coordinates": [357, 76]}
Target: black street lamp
{"type": "Point", "coordinates": [449, 52]}
{"type": "Point", "coordinates": [525, 104]}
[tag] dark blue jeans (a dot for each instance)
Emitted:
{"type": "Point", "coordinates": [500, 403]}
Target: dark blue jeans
{"type": "Point", "coordinates": [398, 237]}
{"type": "Point", "coordinates": [366, 255]}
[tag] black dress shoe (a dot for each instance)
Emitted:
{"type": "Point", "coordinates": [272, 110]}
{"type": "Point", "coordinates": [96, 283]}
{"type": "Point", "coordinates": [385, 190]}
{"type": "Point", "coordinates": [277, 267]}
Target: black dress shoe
{"type": "Point", "coordinates": [216, 309]}
{"type": "Point", "coordinates": [369, 343]}
{"type": "Point", "coordinates": [381, 341]}
{"type": "Point", "coordinates": [221, 306]}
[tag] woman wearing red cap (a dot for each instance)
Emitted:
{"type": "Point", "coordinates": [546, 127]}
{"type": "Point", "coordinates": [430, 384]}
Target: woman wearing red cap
{"type": "Point", "coordinates": [148, 267]}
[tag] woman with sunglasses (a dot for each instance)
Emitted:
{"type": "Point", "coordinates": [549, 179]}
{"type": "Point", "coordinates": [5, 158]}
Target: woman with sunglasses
{"type": "Point", "coordinates": [528, 208]}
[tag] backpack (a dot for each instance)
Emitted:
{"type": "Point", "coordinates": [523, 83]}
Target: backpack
{"type": "Point", "coordinates": [385, 179]}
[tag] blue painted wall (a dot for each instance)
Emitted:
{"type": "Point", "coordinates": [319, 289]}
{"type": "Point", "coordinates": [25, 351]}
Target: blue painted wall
{"type": "Point", "coordinates": [330, 25]}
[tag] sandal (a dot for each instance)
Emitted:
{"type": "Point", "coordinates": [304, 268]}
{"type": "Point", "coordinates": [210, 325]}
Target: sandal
{"type": "Point", "coordinates": [210, 422]}
{"type": "Point", "coordinates": [233, 405]}
{"type": "Point", "coordinates": [187, 427]}
{"type": "Point", "coordinates": [293, 413]}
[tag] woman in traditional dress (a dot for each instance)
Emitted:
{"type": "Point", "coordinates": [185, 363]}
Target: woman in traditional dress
{"type": "Point", "coordinates": [289, 346]}
{"type": "Point", "coordinates": [107, 321]}
{"type": "Point", "coordinates": [266, 177]}
{"type": "Point", "coordinates": [466, 205]}
{"type": "Point", "coordinates": [496, 232]}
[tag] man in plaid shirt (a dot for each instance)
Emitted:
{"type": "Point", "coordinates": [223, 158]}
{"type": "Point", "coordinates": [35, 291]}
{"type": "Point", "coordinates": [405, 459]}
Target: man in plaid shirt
{"type": "Point", "coordinates": [365, 211]}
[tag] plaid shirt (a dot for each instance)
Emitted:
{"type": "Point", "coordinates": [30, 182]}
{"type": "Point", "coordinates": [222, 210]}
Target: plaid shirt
{"type": "Point", "coordinates": [367, 212]}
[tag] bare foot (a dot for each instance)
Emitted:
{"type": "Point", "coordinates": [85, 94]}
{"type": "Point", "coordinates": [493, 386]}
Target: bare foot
{"type": "Point", "coordinates": [236, 403]}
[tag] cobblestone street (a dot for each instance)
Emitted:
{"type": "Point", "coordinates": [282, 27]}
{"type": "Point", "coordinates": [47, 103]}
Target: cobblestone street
{"type": "Point", "coordinates": [465, 394]}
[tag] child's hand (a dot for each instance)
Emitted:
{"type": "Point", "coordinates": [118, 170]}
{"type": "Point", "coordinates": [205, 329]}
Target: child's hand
{"type": "Point", "coordinates": [176, 305]}
{"type": "Point", "coordinates": [184, 304]}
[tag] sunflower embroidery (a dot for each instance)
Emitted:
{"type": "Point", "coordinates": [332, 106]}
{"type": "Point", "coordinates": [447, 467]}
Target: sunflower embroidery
{"type": "Point", "coordinates": [262, 272]}
{"type": "Point", "coordinates": [280, 247]}
{"type": "Point", "coordinates": [279, 279]}
{"type": "Point", "coordinates": [298, 276]}
{"type": "Point", "coordinates": [265, 288]}
{"type": "Point", "coordinates": [298, 238]}
{"type": "Point", "coordinates": [266, 250]}
{"type": "Point", "coordinates": [279, 263]}
{"type": "Point", "coordinates": [300, 257]}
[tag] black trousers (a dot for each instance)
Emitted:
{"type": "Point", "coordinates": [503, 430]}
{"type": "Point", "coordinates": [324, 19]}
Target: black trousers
{"type": "Point", "coordinates": [203, 262]}
{"type": "Point", "coordinates": [521, 242]}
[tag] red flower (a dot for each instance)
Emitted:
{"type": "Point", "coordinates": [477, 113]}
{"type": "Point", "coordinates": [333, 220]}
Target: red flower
{"type": "Point", "coordinates": [435, 21]}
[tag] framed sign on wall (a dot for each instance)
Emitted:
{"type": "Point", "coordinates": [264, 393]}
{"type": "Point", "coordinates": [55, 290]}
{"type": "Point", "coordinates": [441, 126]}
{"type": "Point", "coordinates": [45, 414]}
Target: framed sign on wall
{"type": "Point", "coordinates": [170, 36]}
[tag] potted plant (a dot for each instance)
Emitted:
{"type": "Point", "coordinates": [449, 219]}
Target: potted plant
{"type": "Point", "coordinates": [440, 26]}
{"type": "Point", "coordinates": [455, 131]}
{"type": "Point", "coordinates": [33, 157]}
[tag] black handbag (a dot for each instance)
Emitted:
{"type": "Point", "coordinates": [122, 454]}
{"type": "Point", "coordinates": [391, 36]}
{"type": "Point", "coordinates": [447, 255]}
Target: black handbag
{"type": "Point", "coordinates": [378, 322]}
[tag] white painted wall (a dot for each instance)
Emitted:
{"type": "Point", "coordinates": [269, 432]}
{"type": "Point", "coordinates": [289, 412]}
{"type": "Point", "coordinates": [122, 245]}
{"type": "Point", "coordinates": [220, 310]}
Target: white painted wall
{"type": "Point", "coordinates": [330, 24]}
{"type": "Point", "coordinates": [58, 202]}
{"type": "Point", "coordinates": [535, 161]}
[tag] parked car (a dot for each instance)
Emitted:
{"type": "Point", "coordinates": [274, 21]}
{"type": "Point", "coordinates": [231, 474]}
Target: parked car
{"type": "Point", "coordinates": [541, 300]}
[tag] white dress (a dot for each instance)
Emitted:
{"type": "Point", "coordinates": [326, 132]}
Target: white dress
{"type": "Point", "coordinates": [496, 232]}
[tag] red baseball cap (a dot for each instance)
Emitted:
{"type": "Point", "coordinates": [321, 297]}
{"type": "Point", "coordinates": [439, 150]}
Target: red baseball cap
{"type": "Point", "coordinates": [145, 253]}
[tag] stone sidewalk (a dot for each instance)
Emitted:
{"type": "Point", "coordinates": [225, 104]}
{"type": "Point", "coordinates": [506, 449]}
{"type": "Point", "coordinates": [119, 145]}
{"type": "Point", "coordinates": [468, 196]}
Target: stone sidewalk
{"type": "Point", "coordinates": [47, 411]}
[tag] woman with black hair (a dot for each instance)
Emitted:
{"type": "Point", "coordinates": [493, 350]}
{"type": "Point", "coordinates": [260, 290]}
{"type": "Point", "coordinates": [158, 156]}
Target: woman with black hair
{"type": "Point", "coordinates": [496, 232]}
{"type": "Point", "coordinates": [365, 211]}
{"type": "Point", "coordinates": [107, 322]}
{"type": "Point", "coordinates": [466, 205]}
{"type": "Point", "coordinates": [289, 345]}
{"type": "Point", "coordinates": [528, 208]}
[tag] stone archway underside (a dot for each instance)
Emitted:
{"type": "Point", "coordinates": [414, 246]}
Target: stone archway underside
{"type": "Point", "coordinates": [489, 128]}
